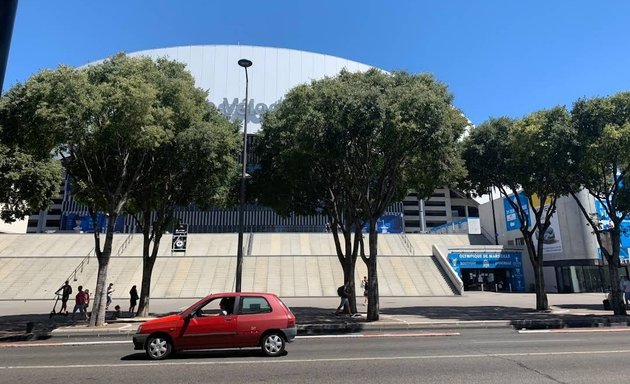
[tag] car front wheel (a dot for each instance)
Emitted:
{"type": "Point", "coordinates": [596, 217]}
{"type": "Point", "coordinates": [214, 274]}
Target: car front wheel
{"type": "Point", "coordinates": [272, 344]}
{"type": "Point", "coordinates": [158, 347]}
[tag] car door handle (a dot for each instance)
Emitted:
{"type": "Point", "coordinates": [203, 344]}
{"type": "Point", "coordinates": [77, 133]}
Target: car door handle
{"type": "Point", "coordinates": [228, 318]}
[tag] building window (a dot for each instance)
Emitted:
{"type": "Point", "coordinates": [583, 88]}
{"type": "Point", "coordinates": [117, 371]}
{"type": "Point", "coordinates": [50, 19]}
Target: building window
{"type": "Point", "coordinates": [438, 194]}
{"type": "Point", "coordinates": [435, 204]}
{"type": "Point", "coordinates": [473, 211]}
{"type": "Point", "coordinates": [519, 241]}
{"type": "Point", "coordinates": [410, 203]}
{"type": "Point", "coordinates": [435, 213]}
{"type": "Point", "coordinates": [412, 223]}
{"type": "Point", "coordinates": [411, 213]}
{"type": "Point", "coordinates": [458, 210]}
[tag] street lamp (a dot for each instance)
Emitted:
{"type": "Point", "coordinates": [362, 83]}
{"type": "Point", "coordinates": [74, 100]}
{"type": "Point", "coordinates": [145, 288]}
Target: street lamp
{"type": "Point", "coordinates": [241, 213]}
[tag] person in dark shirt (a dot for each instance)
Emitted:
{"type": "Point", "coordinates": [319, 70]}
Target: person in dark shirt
{"type": "Point", "coordinates": [65, 291]}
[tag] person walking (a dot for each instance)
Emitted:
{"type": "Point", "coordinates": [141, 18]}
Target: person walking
{"type": "Point", "coordinates": [364, 285]}
{"type": "Point", "coordinates": [133, 300]}
{"type": "Point", "coordinates": [80, 303]}
{"type": "Point", "coordinates": [110, 293]}
{"type": "Point", "coordinates": [344, 303]}
{"type": "Point", "coordinates": [65, 290]}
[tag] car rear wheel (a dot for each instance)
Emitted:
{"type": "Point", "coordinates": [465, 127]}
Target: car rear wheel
{"type": "Point", "coordinates": [158, 347]}
{"type": "Point", "coordinates": [272, 344]}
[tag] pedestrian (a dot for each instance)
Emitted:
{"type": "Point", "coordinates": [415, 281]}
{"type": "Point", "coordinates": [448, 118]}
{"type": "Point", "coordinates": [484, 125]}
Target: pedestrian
{"type": "Point", "coordinates": [79, 305]}
{"type": "Point", "coordinates": [625, 285]}
{"type": "Point", "coordinates": [65, 290]}
{"type": "Point", "coordinates": [110, 293]}
{"type": "Point", "coordinates": [364, 285]}
{"type": "Point", "coordinates": [133, 300]}
{"type": "Point", "coordinates": [87, 300]}
{"type": "Point", "coordinates": [344, 304]}
{"type": "Point", "coordinates": [117, 314]}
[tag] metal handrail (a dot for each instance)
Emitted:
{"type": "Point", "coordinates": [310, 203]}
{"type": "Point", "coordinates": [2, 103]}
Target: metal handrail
{"type": "Point", "coordinates": [407, 244]}
{"type": "Point", "coordinates": [124, 245]}
{"type": "Point", "coordinates": [79, 268]}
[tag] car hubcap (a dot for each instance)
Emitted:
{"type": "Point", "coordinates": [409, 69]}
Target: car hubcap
{"type": "Point", "coordinates": [273, 344]}
{"type": "Point", "coordinates": [157, 347]}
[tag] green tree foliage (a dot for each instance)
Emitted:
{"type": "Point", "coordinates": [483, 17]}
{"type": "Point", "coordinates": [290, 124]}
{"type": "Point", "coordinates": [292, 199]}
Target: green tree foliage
{"type": "Point", "coordinates": [353, 144]}
{"type": "Point", "coordinates": [603, 158]}
{"type": "Point", "coordinates": [531, 155]}
{"type": "Point", "coordinates": [194, 165]}
{"type": "Point", "coordinates": [109, 120]}
{"type": "Point", "coordinates": [29, 174]}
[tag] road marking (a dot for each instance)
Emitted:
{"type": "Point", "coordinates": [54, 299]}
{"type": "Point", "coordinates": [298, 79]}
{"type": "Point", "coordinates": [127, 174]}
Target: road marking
{"type": "Point", "coordinates": [327, 360]}
{"type": "Point", "coordinates": [349, 336]}
{"type": "Point", "coordinates": [575, 330]}
{"type": "Point", "coordinates": [376, 335]}
{"type": "Point", "coordinates": [63, 343]}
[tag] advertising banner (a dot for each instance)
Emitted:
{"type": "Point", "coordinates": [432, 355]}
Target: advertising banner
{"type": "Point", "coordinates": [605, 223]}
{"type": "Point", "coordinates": [552, 240]}
{"type": "Point", "coordinates": [83, 223]}
{"type": "Point", "coordinates": [388, 224]}
{"type": "Point", "coordinates": [512, 222]}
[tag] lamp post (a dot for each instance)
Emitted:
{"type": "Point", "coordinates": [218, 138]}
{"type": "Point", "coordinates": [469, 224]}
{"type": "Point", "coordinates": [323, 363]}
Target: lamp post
{"type": "Point", "coordinates": [241, 213]}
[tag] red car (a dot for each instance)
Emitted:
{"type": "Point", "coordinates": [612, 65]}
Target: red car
{"type": "Point", "coordinates": [223, 320]}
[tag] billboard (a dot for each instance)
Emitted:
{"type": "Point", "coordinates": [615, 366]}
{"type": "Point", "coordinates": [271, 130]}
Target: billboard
{"type": "Point", "coordinates": [605, 223]}
{"type": "Point", "coordinates": [512, 222]}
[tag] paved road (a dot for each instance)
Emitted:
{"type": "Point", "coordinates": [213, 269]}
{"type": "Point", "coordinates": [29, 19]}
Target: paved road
{"type": "Point", "coordinates": [473, 356]}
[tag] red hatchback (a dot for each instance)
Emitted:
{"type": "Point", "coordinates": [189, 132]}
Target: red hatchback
{"type": "Point", "coordinates": [223, 320]}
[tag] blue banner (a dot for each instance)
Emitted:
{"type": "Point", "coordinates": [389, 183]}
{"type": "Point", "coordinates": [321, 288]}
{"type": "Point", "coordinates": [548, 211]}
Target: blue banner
{"type": "Point", "coordinates": [388, 224]}
{"type": "Point", "coordinates": [605, 223]}
{"type": "Point", "coordinates": [83, 223]}
{"type": "Point", "coordinates": [489, 260]}
{"type": "Point", "coordinates": [512, 222]}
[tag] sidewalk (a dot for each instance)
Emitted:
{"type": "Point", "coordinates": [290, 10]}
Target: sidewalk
{"type": "Point", "coordinates": [315, 315]}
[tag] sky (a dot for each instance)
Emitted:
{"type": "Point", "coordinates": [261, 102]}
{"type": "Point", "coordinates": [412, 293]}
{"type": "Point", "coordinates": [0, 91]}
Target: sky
{"type": "Point", "coordinates": [498, 57]}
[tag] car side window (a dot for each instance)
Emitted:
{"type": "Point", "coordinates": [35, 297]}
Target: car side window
{"type": "Point", "coordinates": [216, 307]}
{"type": "Point", "coordinates": [254, 304]}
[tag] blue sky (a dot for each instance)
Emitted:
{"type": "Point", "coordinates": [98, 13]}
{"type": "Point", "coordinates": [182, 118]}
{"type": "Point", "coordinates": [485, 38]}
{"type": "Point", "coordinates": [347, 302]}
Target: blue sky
{"type": "Point", "coordinates": [498, 57]}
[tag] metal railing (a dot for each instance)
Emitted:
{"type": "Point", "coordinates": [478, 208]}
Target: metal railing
{"type": "Point", "coordinates": [79, 268]}
{"type": "Point", "coordinates": [124, 245]}
{"type": "Point", "coordinates": [407, 244]}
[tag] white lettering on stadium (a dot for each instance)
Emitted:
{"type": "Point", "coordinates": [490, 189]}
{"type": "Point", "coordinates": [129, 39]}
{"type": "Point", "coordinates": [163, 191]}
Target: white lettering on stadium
{"type": "Point", "coordinates": [236, 109]}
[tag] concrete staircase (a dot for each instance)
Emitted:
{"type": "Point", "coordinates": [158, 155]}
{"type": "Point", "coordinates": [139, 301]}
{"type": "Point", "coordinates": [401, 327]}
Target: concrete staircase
{"type": "Point", "coordinates": [33, 266]}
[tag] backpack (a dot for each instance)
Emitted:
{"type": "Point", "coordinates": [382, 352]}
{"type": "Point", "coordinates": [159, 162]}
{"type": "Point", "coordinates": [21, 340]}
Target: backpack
{"type": "Point", "coordinates": [341, 292]}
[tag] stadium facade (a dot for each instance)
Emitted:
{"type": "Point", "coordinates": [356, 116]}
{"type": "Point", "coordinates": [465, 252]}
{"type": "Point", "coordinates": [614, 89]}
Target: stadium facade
{"type": "Point", "coordinates": [274, 72]}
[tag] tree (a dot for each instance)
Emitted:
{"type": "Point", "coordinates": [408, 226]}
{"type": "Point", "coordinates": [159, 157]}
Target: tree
{"type": "Point", "coordinates": [194, 165]}
{"type": "Point", "coordinates": [353, 144]}
{"type": "Point", "coordinates": [29, 173]}
{"type": "Point", "coordinates": [108, 119]}
{"type": "Point", "coordinates": [525, 159]}
{"type": "Point", "coordinates": [603, 159]}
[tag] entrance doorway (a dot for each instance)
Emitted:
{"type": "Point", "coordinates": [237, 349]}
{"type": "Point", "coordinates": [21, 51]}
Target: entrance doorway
{"type": "Point", "coordinates": [496, 279]}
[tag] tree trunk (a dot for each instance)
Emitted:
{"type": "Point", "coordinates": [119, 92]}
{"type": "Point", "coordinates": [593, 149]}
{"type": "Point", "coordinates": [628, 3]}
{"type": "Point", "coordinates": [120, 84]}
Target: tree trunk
{"type": "Point", "coordinates": [373, 297]}
{"type": "Point", "coordinates": [542, 304]}
{"type": "Point", "coordinates": [541, 295]}
{"type": "Point", "coordinates": [617, 299]}
{"type": "Point", "coordinates": [100, 294]}
{"type": "Point", "coordinates": [145, 290]}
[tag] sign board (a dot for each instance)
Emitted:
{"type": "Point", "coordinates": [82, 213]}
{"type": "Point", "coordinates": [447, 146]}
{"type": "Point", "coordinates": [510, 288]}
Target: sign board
{"type": "Point", "coordinates": [180, 238]}
{"type": "Point", "coordinates": [511, 260]}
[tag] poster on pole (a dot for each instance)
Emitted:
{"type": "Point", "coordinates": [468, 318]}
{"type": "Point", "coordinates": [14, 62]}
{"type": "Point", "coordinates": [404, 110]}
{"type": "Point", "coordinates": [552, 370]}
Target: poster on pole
{"type": "Point", "coordinates": [180, 238]}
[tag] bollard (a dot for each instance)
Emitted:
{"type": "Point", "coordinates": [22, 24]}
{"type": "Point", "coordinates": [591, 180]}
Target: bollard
{"type": "Point", "coordinates": [510, 287]}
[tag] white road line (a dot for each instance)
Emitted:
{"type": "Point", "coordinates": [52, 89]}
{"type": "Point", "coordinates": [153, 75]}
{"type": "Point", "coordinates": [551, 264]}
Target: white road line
{"type": "Point", "coordinates": [575, 330]}
{"type": "Point", "coordinates": [63, 343]}
{"type": "Point", "coordinates": [348, 336]}
{"type": "Point", "coordinates": [328, 360]}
